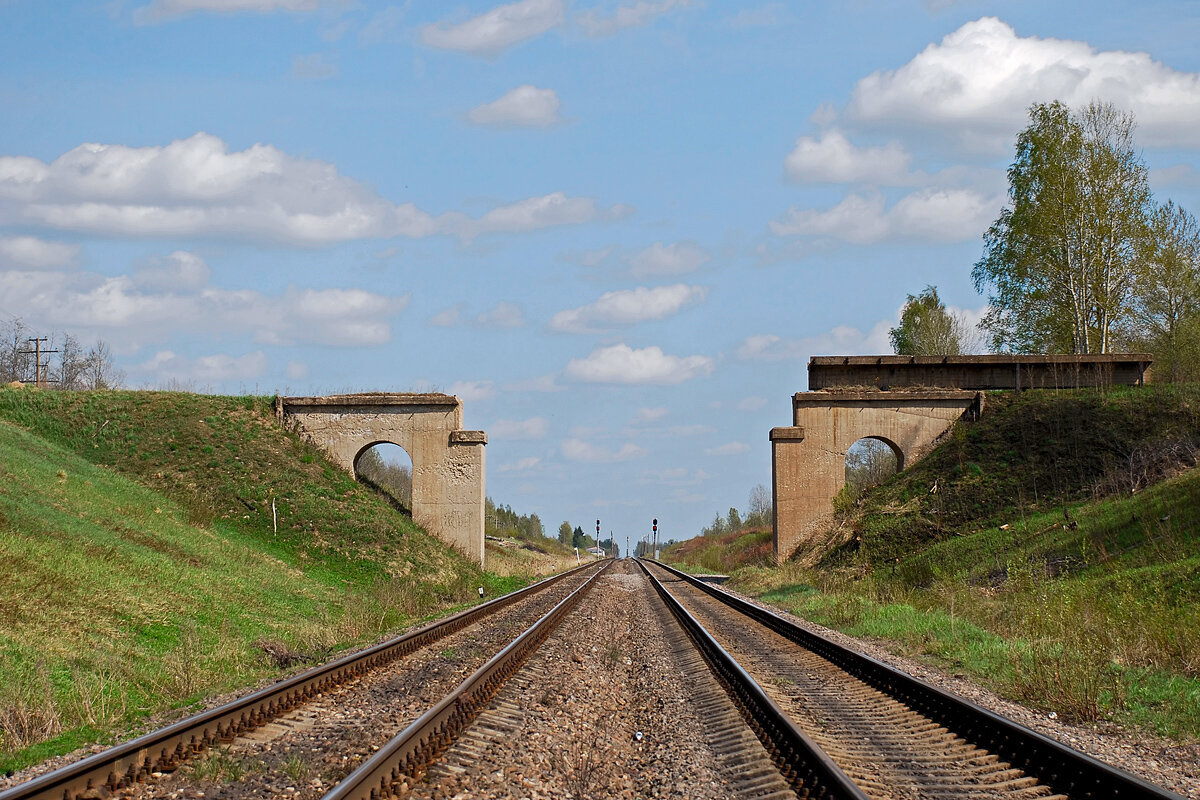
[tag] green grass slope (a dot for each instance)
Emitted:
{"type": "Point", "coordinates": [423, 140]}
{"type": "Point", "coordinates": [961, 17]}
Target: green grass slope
{"type": "Point", "coordinates": [140, 567]}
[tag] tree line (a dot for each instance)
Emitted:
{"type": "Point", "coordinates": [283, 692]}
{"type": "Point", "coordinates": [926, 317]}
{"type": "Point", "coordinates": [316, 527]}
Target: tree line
{"type": "Point", "coordinates": [575, 537]}
{"type": "Point", "coordinates": [757, 516]}
{"type": "Point", "coordinates": [1082, 258]}
{"type": "Point", "coordinates": [71, 368]}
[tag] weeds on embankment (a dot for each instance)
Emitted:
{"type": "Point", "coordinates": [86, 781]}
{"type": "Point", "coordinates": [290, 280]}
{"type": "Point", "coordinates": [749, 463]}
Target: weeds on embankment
{"type": "Point", "coordinates": [140, 568]}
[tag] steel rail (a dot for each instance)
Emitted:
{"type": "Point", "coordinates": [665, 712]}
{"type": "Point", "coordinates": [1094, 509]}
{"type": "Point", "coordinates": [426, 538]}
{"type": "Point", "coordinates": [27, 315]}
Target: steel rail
{"type": "Point", "coordinates": [164, 749]}
{"type": "Point", "coordinates": [404, 759]}
{"type": "Point", "coordinates": [1063, 769]}
{"type": "Point", "coordinates": [803, 764]}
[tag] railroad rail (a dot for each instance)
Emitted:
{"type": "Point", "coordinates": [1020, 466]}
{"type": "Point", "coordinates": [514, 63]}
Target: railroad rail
{"type": "Point", "coordinates": [165, 749]}
{"type": "Point", "coordinates": [1056, 766]}
{"type": "Point", "coordinates": [805, 767]}
{"type": "Point", "coordinates": [403, 760]}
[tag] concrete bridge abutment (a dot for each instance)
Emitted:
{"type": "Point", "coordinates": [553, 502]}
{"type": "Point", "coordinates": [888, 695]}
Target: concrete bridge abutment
{"type": "Point", "coordinates": [448, 475]}
{"type": "Point", "coordinates": [907, 402]}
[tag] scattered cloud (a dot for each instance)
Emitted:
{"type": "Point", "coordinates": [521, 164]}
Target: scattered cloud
{"type": "Point", "coordinates": [843, 339]}
{"type": "Point", "coordinates": [198, 187]}
{"type": "Point", "coordinates": [504, 315]}
{"type": "Point", "coordinates": [628, 307]}
{"type": "Point", "coordinates": [170, 295]}
{"type": "Point", "coordinates": [730, 449]}
{"type": "Point", "coordinates": [648, 415]}
{"type": "Point", "coordinates": [668, 259]}
{"type": "Point", "coordinates": [979, 81]}
{"type": "Point", "coordinates": [622, 364]}
{"type": "Point", "coordinates": [532, 428]}
{"type": "Point", "coordinates": [534, 213]}
{"type": "Point", "coordinates": [28, 252]}
{"type": "Point", "coordinates": [314, 66]}
{"type": "Point", "coordinates": [297, 370]}
{"type": "Point", "coordinates": [524, 107]}
{"type": "Point", "coordinates": [752, 404]}
{"type": "Point", "coordinates": [220, 368]}
{"type": "Point", "coordinates": [495, 31]}
{"type": "Point", "coordinates": [449, 318]}
{"type": "Point", "coordinates": [579, 450]}
{"type": "Point", "coordinates": [520, 465]}
{"type": "Point", "coordinates": [179, 270]}
{"type": "Point", "coordinates": [763, 17]}
{"type": "Point", "coordinates": [931, 214]}
{"type": "Point", "coordinates": [833, 159]}
{"type": "Point", "coordinates": [162, 10]}
{"type": "Point", "coordinates": [627, 15]}
{"type": "Point", "coordinates": [473, 391]}
{"type": "Point", "coordinates": [542, 383]}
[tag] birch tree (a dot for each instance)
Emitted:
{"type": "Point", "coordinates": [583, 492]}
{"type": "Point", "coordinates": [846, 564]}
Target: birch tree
{"type": "Point", "coordinates": [1060, 262]}
{"type": "Point", "coordinates": [1168, 297]}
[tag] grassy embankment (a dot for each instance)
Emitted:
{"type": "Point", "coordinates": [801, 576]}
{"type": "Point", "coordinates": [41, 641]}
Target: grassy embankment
{"type": "Point", "coordinates": [140, 568]}
{"type": "Point", "coordinates": [1058, 560]}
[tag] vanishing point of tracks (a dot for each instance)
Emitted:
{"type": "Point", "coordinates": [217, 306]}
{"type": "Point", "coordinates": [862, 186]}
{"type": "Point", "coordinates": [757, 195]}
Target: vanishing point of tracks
{"type": "Point", "coordinates": [636, 681]}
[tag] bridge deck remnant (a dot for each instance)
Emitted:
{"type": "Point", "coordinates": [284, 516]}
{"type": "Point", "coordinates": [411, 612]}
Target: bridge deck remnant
{"type": "Point", "coordinates": [447, 462]}
{"type": "Point", "coordinates": [906, 402]}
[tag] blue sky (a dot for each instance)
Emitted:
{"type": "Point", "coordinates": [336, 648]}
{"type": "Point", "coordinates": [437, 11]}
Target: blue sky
{"type": "Point", "coordinates": [616, 228]}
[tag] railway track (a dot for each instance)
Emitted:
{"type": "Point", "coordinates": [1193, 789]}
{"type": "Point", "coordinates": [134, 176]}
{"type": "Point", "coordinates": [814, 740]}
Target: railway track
{"type": "Point", "coordinates": [893, 735]}
{"type": "Point", "coordinates": [615, 703]}
{"type": "Point", "coordinates": [301, 702]}
{"type": "Point", "coordinates": [635, 681]}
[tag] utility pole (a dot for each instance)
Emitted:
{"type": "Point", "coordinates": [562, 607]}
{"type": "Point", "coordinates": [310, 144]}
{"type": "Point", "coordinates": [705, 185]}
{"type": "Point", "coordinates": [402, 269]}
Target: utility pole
{"type": "Point", "coordinates": [40, 371]}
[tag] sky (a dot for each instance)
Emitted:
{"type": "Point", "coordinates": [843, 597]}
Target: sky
{"type": "Point", "coordinates": [617, 229]}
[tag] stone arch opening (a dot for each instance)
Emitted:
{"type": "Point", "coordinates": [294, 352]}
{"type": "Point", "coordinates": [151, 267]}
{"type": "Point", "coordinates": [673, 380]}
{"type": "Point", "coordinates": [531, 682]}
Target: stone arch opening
{"type": "Point", "coordinates": [388, 468]}
{"type": "Point", "coordinates": [870, 461]}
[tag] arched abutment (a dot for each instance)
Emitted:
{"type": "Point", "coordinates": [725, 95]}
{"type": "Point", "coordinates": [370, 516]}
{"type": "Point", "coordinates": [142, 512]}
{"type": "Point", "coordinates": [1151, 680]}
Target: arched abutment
{"type": "Point", "coordinates": [447, 462]}
{"type": "Point", "coordinates": [808, 458]}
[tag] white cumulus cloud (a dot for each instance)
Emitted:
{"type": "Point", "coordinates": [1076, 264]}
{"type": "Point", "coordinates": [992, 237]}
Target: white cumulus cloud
{"type": "Point", "coordinates": [668, 259]}
{"type": "Point", "coordinates": [198, 187]}
{"type": "Point", "coordinates": [833, 159]}
{"type": "Point", "coordinates": [524, 107]}
{"type": "Point", "coordinates": [496, 30]}
{"type": "Point", "coordinates": [534, 213]}
{"type": "Point", "coordinates": [29, 252]}
{"type": "Point", "coordinates": [579, 450]}
{"type": "Point", "coordinates": [628, 307]}
{"type": "Point", "coordinates": [979, 81]}
{"type": "Point", "coordinates": [931, 214]}
{"type": "Point", "coordinates": [179, 270]}
{"type": "Point", "coordinates": [170, 296]}
{"type": "Point", "coordinates": [622, 364]}
{"type": "Point", "coordinates": [218, 368]}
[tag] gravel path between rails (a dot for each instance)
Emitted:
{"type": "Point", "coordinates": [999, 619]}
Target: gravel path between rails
{"type": "Point", "coordinates": [1160, 761]}
{"type": "Point", "coordinates": [606, 709]}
